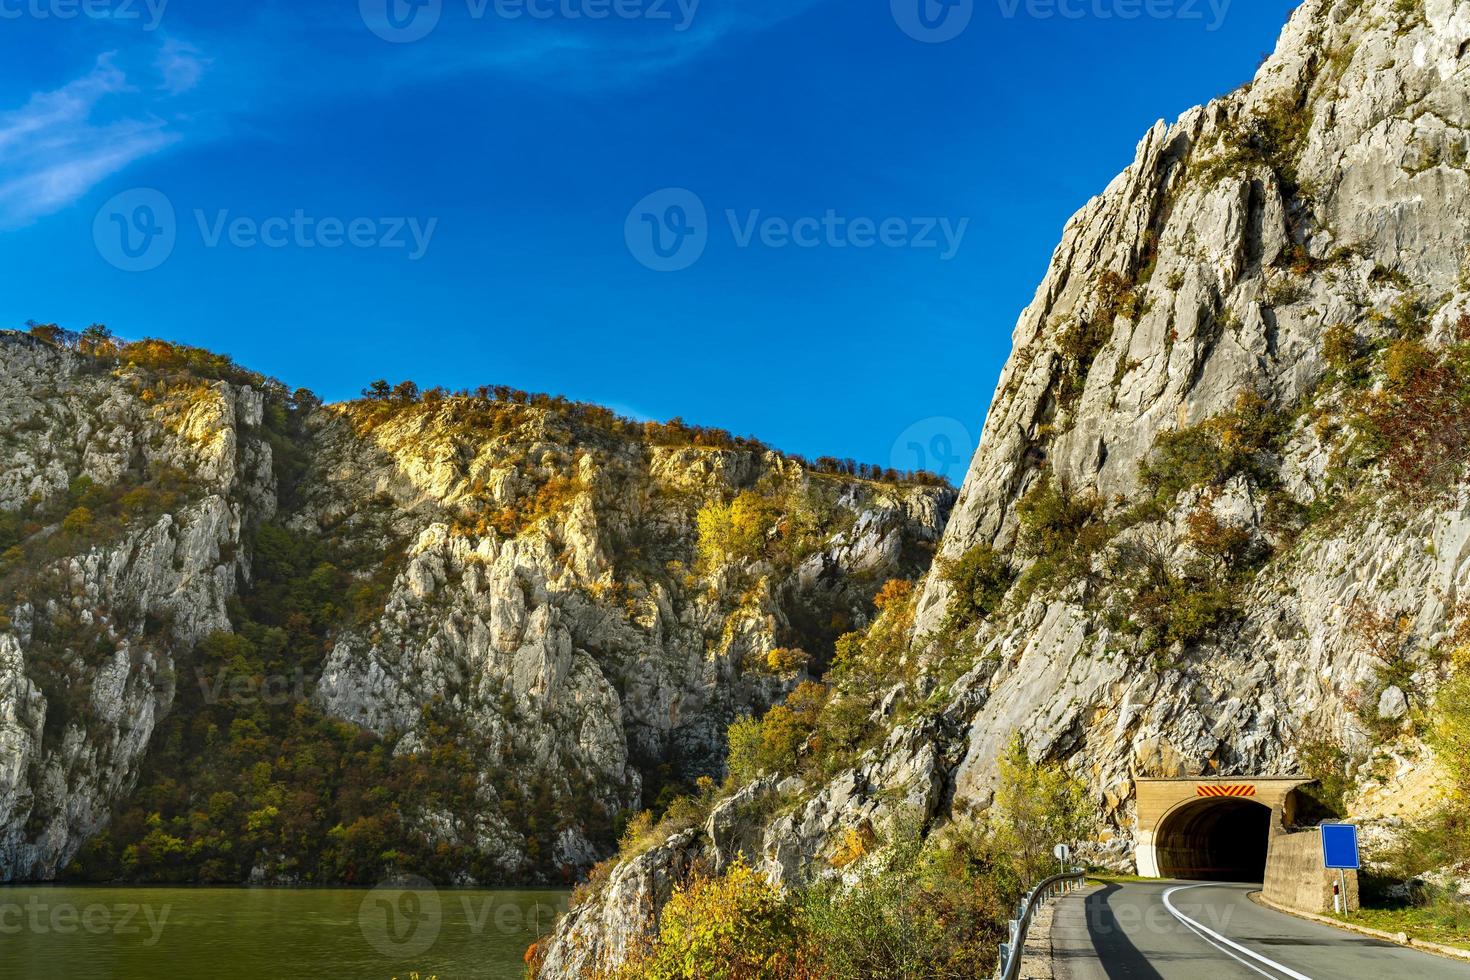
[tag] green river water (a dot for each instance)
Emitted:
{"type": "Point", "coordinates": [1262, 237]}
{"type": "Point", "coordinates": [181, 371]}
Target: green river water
{"type": "Point", "coordinates": [88, 933]}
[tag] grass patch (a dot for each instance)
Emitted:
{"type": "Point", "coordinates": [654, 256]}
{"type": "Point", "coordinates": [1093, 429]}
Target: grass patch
{"type": "Point", "coordinates": [1444, 921]}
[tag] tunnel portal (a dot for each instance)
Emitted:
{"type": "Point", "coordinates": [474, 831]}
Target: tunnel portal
{"type": "Point", "coordinates": [1222, 839]}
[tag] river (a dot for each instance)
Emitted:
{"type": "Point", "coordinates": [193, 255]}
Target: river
{"type": "Point", "coordinates": [117, 933]}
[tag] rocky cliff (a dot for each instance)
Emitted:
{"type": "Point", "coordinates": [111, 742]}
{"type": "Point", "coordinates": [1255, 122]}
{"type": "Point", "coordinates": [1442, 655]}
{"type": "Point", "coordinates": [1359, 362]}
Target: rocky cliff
{"type": "Point", "coordinates": [286, 641]}
{"type": "Point", "coordinates": [124, 502]}
{"type": "Point", "coordinates": [1218, 520]}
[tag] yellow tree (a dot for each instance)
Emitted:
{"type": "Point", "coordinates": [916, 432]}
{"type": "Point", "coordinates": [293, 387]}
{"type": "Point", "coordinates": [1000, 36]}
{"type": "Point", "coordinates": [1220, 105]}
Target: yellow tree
{"type": "Point", "coordinates": [1037, 806]}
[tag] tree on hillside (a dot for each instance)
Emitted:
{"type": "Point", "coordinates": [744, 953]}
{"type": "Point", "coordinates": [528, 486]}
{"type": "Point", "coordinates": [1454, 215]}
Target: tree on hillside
{"type": "Point", "coordinates": [1037, 806]}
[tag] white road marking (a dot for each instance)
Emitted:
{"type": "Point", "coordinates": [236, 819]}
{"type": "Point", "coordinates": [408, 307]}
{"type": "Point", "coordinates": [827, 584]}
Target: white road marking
{"type": "Point", "coordinates": [1209, 934]}
{"type": "Point", "coordinates": [1243, 962]}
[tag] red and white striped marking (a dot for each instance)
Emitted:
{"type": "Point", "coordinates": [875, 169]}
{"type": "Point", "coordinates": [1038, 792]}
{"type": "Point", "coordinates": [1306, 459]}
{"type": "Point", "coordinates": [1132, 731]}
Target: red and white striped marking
{"type": "Point", "coordinates": [1235, 791]}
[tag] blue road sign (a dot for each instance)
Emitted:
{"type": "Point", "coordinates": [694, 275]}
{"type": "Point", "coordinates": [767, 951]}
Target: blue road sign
{"type": "Point", "coordinates": [1340, 846]}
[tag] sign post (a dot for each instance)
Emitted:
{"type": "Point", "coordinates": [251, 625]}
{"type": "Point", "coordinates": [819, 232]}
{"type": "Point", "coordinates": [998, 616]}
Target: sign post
{"type": "Point", "coordinates": [1340, 852]}
{"type": "Point", "coordinates": [1062, 853]}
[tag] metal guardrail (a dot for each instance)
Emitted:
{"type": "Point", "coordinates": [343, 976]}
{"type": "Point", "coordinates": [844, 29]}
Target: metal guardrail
{"type": "Point", "coordinates": [1013, 952]}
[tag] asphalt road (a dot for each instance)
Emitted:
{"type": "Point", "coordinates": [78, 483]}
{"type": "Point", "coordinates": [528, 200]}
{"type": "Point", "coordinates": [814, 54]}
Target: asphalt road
{"type": "Point", "coordinates": [1177, 930]}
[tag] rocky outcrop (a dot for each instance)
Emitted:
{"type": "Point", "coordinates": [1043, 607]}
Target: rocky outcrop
{"type": "Point", "coordinates": [528, 591]}
{"type": "Point", "coordinates": [585, 646]}
{"type": "Point", "coordinates": [777, 825]}
{"type": "Point", "coordinates": [1324, 193]}
{"type": "Point", "coordinates": [103, 627]}
{"type": "Point", "coordinates": [1238, 268]}
{"type": "Point", "coordinates": [1332, 192]}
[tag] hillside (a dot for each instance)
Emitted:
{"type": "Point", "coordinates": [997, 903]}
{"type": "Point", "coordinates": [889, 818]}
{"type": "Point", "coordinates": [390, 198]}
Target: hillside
{"type": "Point", "coordinates": [250, 637]}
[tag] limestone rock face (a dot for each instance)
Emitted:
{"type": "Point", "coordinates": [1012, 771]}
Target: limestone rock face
{"type": "Point", "coordinates": [585, 646]}
{"type": "Point", "coordinates": [107, 622]}
{"type": "Point", "coordinates": [1218, 313]}
{"type": "Point", "coordinates": [539, 606]}
{"type": "Point", "coordinates": [1238, 265]}
{"type": "Point", "coordinates": [1331, 191]}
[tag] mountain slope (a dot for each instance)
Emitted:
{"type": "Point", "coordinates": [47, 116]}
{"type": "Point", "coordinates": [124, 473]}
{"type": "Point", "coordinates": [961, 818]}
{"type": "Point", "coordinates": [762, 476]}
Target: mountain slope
{"type": "Point", "coordinates": [1217, 522]}
{"type": "Point", "coordinates": [249, 636]}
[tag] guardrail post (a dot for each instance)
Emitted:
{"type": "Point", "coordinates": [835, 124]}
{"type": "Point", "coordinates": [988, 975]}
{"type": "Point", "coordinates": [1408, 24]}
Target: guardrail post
{"type": "Point", "coordinates": [1011, 953]}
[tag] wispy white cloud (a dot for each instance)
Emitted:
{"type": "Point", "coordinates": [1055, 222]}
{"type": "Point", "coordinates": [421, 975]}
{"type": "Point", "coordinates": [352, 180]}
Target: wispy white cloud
{"type": "Point", "coordinates": [567, 51]}
{"type": "Point", "coordinates": [599, 55]}
{"type": "Point", "coordinates": [60, 144]}
{"type": "Point", "coordinates": [180, 65]}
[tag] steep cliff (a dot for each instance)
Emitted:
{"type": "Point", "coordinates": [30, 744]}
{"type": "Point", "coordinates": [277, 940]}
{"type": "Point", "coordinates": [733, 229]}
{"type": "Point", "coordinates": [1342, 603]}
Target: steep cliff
{"type": "Point", "coordinates": [124, 497]}
{"type": "Point", "coordinates": [460, 635]}
{"type": "Point", "coordinates": [555, 602]}
{"type": "Point", "coordinates": [1218, 519]}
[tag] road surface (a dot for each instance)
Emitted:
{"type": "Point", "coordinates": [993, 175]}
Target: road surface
{"type": "Point", "coordinates": [1178, 930]}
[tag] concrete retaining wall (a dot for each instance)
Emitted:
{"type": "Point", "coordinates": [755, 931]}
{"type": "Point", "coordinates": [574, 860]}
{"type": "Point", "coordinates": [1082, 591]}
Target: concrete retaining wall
{"type": "Point", "coordinates": [1295, 877]}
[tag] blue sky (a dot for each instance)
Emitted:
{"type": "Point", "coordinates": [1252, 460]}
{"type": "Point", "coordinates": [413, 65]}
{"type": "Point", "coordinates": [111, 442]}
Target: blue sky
{"type": "Point", "coordinates": [851, 211]}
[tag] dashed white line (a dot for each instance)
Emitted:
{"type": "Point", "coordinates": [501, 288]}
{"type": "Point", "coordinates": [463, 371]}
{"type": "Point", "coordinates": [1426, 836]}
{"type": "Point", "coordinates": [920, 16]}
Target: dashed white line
{"type": "Point", "coordinates": [1215, 939]}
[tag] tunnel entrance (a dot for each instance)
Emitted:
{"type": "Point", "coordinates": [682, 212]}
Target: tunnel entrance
{"type": "Point", "coordinates": [1214, 840]}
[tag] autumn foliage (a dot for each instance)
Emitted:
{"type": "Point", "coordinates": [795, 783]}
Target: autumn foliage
{"type": "Point", "coordinates": [1419, 422]}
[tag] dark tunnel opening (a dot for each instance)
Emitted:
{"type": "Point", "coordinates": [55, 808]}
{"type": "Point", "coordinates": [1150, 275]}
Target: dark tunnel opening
{"type": "Point", "coordinates": [1215, 840]}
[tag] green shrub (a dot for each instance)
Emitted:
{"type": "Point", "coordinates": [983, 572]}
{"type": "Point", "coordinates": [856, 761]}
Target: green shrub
{"type": "Point", "coordinates": [1328, 764]}
{"type": "Point", "coordinates": [1216, 450]}
{"type": "Point", "coordinates": [1418, 425]}
{"type": "Point", "coordinates": [979, 580]}
{"type": "Point", "coordinates": [775, 743]}
{"type": "Point", "coordinates": [1345, 353]}
{"type": "Point", "coordinates": [1163, 605]}
{"type": "Point", "coordinates": [743, 739]}
{"type": "Point", "coordinates": [930, 910]}
{"type": "Point", "coordinates": [78, 521]}
{"type": "Point", "coordinates": [865, 661]}
{"type": "Point", "coordinates": [872, 930]}
{"type": "Point", "coordinates": [1450, 733]}
{"type": "Point", "coordinates": [1061, 531]}
{"type": "Point", "coordinates": [1081, 339]}
{"type": "Point", "coordinates": [1274, 136]}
